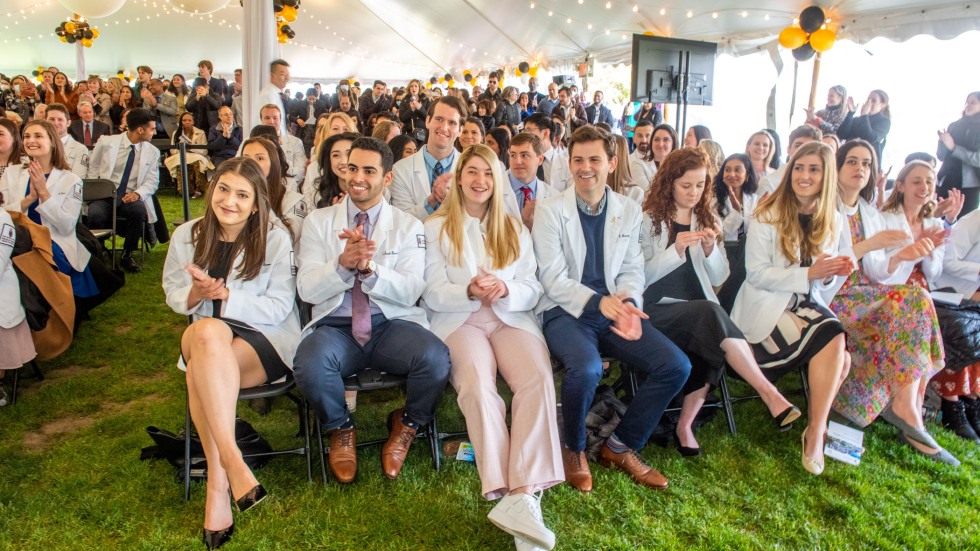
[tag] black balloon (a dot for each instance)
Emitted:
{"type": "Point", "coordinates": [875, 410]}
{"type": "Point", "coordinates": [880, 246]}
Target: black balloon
{"type": "Point", "coordinates": [804, 52]}
{"type": "Point", "coordinates": [812, 18]}
{"type": "Point", "coordinates": [290, 3]}
{"type": "Point", "coordinates": [277, 6]}
{"type": "Point", "coordinates": [467, 77]}
{"type": "Point", "coordinates": [70, 38]}
{"type": "Point", "coordinates": [447, 76]}
{"type": "Point", "coordinates": [89, 34]}
{"type": "Point", "coordinates": [433, 80]}
{"type": "Point", "coordinates": [523, 66]}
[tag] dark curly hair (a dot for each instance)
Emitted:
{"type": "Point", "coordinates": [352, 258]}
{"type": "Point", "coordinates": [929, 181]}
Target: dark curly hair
{"type": "Point", "coordinates": [659, 203]}
{"type": "Point", "coordinates": [720, 188]}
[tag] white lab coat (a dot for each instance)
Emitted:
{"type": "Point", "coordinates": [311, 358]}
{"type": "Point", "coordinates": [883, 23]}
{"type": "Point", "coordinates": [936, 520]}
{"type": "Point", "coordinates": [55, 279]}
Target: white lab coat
{"type": "Point", "coordinates": [295, 210]}
{"type": "Point", "coordinates": [59, 213]}
{"type": "Point", "coordinates": [400, 259]}
{"type": "Point", "coordinates": [642, 171]}
{"type": "Point", "coordinates": [559, 245]}
{"type": "Point", "coordinates": [961, 263]}
{"type": "Point", "coordinates": [270, 94]}
{"type": "Point", "coordinates": [103, 161]}
{"type": "Point", "coordinates": [410, 187]}
{"type": "Point", "coordinates": [11, 311]}
{"type": "Point", "coordinates": [543, 191]}
{"type": "Point", "coordinates": [771, 181]}
{"type": "Point", "coordinates": [932, 265]}
{"type": "Point", "coordinates": [267, 303]}
{"type": "Point", "coordinates": [772, 280]}
{"type": "Point", "coordinates": [733, 220]}
{"type": "Point", "coordinates": [445, 297]}
{"type": "Point", "coordinates": [292, 147]}
{"type": "Point", "coordinates": [661, 259]}
{"type": "Point", "coordinates": [77, 155]}
{"type": "Point", "coordinates": [557, 172]}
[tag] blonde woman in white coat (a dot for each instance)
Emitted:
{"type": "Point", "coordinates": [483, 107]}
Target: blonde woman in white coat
{"type": "Point", "coordinates": [51, 195]}
{"type": "Point", "coordinates": [683, 261]}
{"type": "Point", "coordinates": [480, 294]}
{"type": "Point", "coordinates": [796, 248]}
{"type": "Point", "coordinates": [233, 273]}
{"type": "Point", "coordinates": [15, 335]}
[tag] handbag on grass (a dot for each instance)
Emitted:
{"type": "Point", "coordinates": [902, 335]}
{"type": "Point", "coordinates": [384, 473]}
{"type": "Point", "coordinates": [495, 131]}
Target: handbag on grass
{"type": "Point", "coordinates": [170, 446]}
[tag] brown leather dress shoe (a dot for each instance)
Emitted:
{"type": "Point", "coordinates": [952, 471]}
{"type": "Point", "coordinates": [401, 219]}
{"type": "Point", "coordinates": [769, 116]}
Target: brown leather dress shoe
{"type": "Point", "coordinates": [396, 448]}
{"type": "Point", "coordinates": [343, 454]}
{"type": "Point", "coordinates": [630, 463]}
{"type": "Point", "coordinates": [577, 470]}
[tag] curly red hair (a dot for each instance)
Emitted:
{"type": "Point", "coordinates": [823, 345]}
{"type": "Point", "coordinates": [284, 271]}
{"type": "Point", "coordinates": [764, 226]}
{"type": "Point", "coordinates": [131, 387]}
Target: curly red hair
{"type": "Point", "coordinates": [659, 203]}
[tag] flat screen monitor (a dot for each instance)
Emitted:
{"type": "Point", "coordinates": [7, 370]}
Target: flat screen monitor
{"type": "Point", "coordinates": [656, 74]}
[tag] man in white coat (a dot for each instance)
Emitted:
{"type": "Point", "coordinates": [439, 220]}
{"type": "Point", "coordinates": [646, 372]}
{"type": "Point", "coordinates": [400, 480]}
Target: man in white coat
{"type": "Point", "coordinates": [76, 154]}
{"type": "Point", "coordinates": [361, 265]}
{"type": "Point", "coordinates": [587, 242]}
{"type": "Point", "coordinates": [421, 181]}
{"type": "Point", "coordinates": [526, 155]}
{"type": "Point", "coordinates": [555, 163]}
{"type": "Point", "coordinates": [131, 162]}
{"type": "Point", "coordinates": [291, 145]}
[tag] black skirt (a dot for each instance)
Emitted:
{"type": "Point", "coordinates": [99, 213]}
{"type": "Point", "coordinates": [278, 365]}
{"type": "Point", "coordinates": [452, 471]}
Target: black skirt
{"type": "Point", "coordinates": [802, 331]}
{"type": "Point", "coordinates": [273, 365]}
{"type": "Point", "coordinates": [697, 327]}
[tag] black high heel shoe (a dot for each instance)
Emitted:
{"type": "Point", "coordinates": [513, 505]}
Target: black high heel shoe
{"type": "Point", "coordinates": [251, 498]}
{"type": "Point", "coordinates": [684, 450]}
{"type": "Point", "coordinates": [214, 539]}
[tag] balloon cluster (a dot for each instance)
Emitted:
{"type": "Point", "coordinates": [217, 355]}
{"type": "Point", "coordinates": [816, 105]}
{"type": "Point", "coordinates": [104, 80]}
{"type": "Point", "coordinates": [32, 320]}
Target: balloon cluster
{"type": "Point", "coordinates": [525, 68]}
{"type": "Point", "coordinates": [286, 12]}
{"type": "Point", "coordinates": [36, 73]}
{"type": "Point", "coordinates": [124, 74]}
{"type": "Point", "coordinates": [75, 30]}
{"type": "Point", "coordinates": [810, 37]}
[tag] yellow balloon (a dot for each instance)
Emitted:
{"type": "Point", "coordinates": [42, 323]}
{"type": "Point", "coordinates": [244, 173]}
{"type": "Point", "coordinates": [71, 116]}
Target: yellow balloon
{"type": "Point", "coordinates": [792, 38]}
{"type": "Point", "coordinates": [69, 27]}
{"type": "Point", "coordinates": [442, 79]}
{"type": "Point", "coordinates": [427, 84]}
{"type": "Point", "coordinates": [288, 13]}
{"type": "Point", "coordinates": [283, 39]}
{"type": "Point", "coordinates": [87, 43]}
{"type": "Point", "coordinates": [518, 72]}
{"type": "Point", "coordinates": [648, 33]}
{"type": "Point", "coordinates": [533, 71]}
{"type": "Point", "coordinates": [39, 78]}
{"type": "Point", "coordinates": [63, 39]}
{"type": "Point", "coordinates": [822, 40]}
{"type": "Point", "coordinates": [95, 33]}
{"type": "Point", "coordinates": [451, 83]}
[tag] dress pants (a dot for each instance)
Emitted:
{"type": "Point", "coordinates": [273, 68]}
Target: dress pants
{"type": "Point", "coordinates": [100, 216]}
{"type": "Point", "coordinates": [579, 345]}
{"type": "Point", "coordinates": [398, 347]}
{"type": "Point", "coordinates": [531, 454]}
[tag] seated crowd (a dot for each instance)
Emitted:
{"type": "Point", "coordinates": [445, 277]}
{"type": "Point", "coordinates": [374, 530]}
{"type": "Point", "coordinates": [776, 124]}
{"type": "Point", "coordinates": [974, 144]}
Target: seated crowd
{"type": "Point", "coordinates": [451, 238]}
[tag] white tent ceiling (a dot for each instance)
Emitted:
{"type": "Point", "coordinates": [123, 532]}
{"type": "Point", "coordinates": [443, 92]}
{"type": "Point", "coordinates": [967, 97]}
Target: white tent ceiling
{"type": "Point", "coordinates": [401, 39]}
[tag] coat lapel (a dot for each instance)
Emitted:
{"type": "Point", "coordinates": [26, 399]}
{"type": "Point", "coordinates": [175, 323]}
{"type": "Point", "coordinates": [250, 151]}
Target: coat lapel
{"type": "Point", "coordinates": [576, 239]}
{"type": "Point", "coordinates": [615, 248]}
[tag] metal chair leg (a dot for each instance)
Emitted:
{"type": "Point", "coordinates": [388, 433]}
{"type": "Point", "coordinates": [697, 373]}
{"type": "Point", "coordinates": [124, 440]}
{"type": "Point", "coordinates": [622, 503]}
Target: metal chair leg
{"type": "Point", "coordinates": [308, 453]}
{"type": "Point", "coordinates": [187, 451]}
{"type": "Point", "coordinates": [726, 400]}
{"type": "Point", "coordinates": [434, 444]}
{"type": "Point", "coordinates": [323, 455]}
{"type": "Point", "coordinates": [13, 391]}
{"type": "Point", "coordinates": [805, 380]}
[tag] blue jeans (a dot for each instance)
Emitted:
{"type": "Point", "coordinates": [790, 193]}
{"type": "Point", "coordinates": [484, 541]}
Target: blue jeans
{"type": "Point", "coordinates": [579, 345]}
{"type": "Point", "coordinates": [397, 347]}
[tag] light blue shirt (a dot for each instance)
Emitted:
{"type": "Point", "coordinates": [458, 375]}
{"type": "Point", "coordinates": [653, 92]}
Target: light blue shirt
{"type": "Point", "coordinates": [430, 166]}
{"type": "Point", "coordinates": [344, 310]}
{"type": "Point", "coordinates": [516, 185]}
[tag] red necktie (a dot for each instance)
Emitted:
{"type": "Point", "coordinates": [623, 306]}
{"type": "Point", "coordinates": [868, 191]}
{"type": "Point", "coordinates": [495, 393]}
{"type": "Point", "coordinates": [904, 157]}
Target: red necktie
{"type": "Point", "coordinates": [527, 194]}
{"type": "Point", "coordinates": [360, 305]}
{"type": "Point", "coordinates": [88, 135]}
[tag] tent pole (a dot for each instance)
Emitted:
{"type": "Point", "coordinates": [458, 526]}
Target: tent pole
{"type": "Point", "coordinates": [792, 103]}
{"type": "Point", "coordinates": [813, 83]}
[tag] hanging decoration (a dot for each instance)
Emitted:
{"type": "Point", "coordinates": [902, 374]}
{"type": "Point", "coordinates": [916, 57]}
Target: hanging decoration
{"type": "Point", "coordinates": [467, 75]}
{"type": "Point", "coordinates": [36, 73]}
{"type": "Point", "coordinates": [124, 74]}
{"type": "Point", "coordinates": [77, 29]}
{"type": "Point", "coordinates": [810, 37]}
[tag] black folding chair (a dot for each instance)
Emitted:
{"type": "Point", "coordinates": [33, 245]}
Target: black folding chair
{"type": "Point", "coordinates": [98, 190]}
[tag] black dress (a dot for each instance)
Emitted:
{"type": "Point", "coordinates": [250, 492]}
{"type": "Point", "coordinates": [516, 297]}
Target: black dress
{"type": "Point", "coordinates": [694, 323]}
{"type": "Point", "coordinates": [275, 368]}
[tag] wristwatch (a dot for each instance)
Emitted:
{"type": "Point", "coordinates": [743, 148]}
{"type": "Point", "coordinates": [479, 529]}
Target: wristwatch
{"type": "Point", "coordinates": [371, 266]}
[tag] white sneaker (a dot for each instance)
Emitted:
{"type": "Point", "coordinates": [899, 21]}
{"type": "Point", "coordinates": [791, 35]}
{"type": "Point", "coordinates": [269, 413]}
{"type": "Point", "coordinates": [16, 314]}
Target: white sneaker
{"type": "Point", "coordinates": [524, 545]}
{"type": "Point", "coordinates": [520, 516]}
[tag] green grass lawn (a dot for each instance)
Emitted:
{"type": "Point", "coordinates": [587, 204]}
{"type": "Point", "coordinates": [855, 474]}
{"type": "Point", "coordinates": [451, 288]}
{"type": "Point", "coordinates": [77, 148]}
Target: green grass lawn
{"type": "Point", "coordinates": [70, 475]}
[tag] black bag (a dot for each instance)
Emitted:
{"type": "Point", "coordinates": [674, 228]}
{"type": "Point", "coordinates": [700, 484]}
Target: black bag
{"type": "Point", "coordinates": [170, 446]}
{"type": "Point", "coordinates": [960, 327]}
{"type": "Point", "coordinates": [604, 416]}
{"type": "Point", "coordinates": [36, 307]}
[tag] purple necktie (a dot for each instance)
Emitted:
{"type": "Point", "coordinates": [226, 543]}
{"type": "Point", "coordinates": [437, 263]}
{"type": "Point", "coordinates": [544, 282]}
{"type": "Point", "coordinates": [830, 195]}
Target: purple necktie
{"type": "Point", "coordinates": [360, 315]}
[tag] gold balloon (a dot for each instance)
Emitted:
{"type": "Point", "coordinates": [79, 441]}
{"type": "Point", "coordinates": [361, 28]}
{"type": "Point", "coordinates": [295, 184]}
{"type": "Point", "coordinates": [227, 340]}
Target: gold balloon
{"type": "Point", "coordinates": [283, 39]}
{"type": "Point", "coordinates": [95, 33]}
{"type": "Point", "coordinates": [518, 72]}
{"type": "Point", "coordinates": [792, 38]}
{"type": "Point", "coordinates": [822, 40]}
{"type": "Point", "coordinates": [87, 43]}
{"type": "Point", "coordinates": [533, 71]}
{"type": "Point", "coordinates": [288, 13]}
{"type": "Point", "coordinates": [451, 83]}
{"type": "Point", "coordinates": [69, 27]}
{"type": "Point", "coordinates": [63, 39]}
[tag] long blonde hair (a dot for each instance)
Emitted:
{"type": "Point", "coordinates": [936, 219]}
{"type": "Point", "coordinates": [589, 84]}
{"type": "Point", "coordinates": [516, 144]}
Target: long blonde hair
{"type": "Point", "coordinates": [897, 198]}
{"type": "Point", "coordinates": [622, 177]}
{"type": "Point", "coordinates": [781, 208]}
{"type": "Point", "coordinates": [323, 132]}
{"type": "Point", "coordinates": [503, 230]}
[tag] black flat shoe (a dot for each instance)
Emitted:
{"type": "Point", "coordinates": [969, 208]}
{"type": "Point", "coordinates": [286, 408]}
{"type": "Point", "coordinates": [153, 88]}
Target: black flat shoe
{"type": "Point", "coordinates": [216, 538]}
{"type": "Point", "coordinates": [684, 450]}
{"type": "Point", "coordinates": [251, 498]}
{"type": "Point", "coordinates": [784, 421]}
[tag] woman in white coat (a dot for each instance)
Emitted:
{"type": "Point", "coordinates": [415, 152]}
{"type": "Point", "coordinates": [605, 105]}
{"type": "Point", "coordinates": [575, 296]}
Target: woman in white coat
{"type": "Point", "coordinates": [289, 209]}
{"type": "Point", "coordinates": [51, 195]}
{"type": "Point", "coordinates": [683, 261]}
{"type": "Point", "coordinates": [734, 199]}
{"type": "Point", "coordinates": [796, 248]}
{"type": "Point", "coordinates": [15, 335]}
{"type": "Point", "coordinates": [480, 293]}
{"type": "Point", "coordinates": [892, 331]}
{"type": "Point", "coordinates": [233, 273]}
